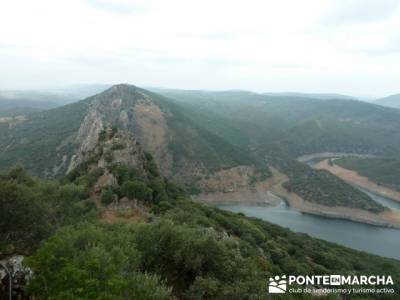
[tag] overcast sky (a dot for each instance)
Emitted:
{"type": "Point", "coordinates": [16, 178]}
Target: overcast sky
{"type": "Point", "coordinates": [343, 46]}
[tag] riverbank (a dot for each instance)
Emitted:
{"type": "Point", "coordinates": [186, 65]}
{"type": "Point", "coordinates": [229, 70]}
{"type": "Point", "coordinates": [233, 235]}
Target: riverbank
{"type": "Point", "coordinates": [271, 191]}
{"type": "Point", "coordinates": [353, 177]}
{"type": "Point", "coordinates": [387, 218]}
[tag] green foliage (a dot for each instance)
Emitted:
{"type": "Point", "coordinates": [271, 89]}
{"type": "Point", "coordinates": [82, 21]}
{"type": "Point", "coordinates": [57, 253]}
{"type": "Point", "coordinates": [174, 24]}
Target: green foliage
{"type": "Point", "coordinates": [89, 178]}
{"type": "Point", "coordinates": [285, 127]}
{"type": "Point", "coordinates": [124, 173]}
{"type": "Point", "coordinates": [108, 157]}
{"type": "Point", "coordinates": [196, 251]}
{"type": "Point", "coordinates": [384, 171]}
{"type": "Point", "coordinates": [107, 196]}
{"type": "Point", "coordinates": [187, 250]}
{"type": "Point", "coordinates": [137, 190]}
{"type": "Point", "coordinates": [324, 188]}
{"type": "Point", "coordinates": [102, 135]}
{"type": "Point", "coordinates": [117, 146]}
{"type": "Point", "coordinates": [30, 210]}
{"type": "Point", "coordinates": [151, 165]}
{"type": "Point", "coordinates": [36, 142]}
{"type": "Point", "coordinates": [93, 262]}
{"type": "Point", "coordinates": [188, 256]}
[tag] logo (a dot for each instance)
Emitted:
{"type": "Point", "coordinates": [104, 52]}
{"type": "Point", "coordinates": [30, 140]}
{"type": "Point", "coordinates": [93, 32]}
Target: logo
{"type": "Point", "coordinates": [326, 284]}
{"type": "Point", "coordinates": [277, 285]}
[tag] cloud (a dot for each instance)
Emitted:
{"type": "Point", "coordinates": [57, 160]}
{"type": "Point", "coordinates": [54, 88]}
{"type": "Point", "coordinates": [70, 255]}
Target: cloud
{"type": "Point", "coordinates": [120, 7]}
{"type": "Point", "coordinates": [354, 11]}
{"type": "Point", "coordinates": [267, 45]}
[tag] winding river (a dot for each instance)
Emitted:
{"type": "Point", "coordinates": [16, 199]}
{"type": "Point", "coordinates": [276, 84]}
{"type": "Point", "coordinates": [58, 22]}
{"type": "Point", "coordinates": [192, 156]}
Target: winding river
{"type": "Point", "coordinates": [377, 240]}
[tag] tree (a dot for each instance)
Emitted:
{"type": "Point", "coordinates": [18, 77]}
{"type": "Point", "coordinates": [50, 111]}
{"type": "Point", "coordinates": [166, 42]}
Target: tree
{"type": "Point", "coordinates": [91, 261]}
{"type": "Point", "coordinates": [135, 189]}
{"type": "Point", "coordinates": [107, 196]}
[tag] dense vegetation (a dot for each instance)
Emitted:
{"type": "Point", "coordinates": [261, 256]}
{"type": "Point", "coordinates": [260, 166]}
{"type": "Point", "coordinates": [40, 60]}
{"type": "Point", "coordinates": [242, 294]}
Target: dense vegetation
{"type": "Point", "coordinates": [280, 128]}
{"type": "Point", "coordinates": [194, 142]}
{"type": "Point", "coordinates": [322, 187]}
{"type": "Point", "coordinates": [181, 249]}
{"type": "Point", "coordinates": [31, 210]}
{"type": "Point", "coordinates": [219, 130]}
{"type": "Point", "coordinates": [40, 142]}
{"type": "Point", "coordinates": [37, 142]}
{"type": "Point", "coordinates": [22, 103]}
{"type": "Point", "coordinates": [301, 125]}
{"type": "Point", "coordinates": [384, 171]}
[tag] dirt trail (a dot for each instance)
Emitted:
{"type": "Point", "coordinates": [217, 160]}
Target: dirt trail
{"type": "Point", "coordinates": [354, 178]}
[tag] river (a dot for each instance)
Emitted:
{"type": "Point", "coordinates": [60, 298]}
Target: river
{"type": "Point", "coordinates": [369, 238]}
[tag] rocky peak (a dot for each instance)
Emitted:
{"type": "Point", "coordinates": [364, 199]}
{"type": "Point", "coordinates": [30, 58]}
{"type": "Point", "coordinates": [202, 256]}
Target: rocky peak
{"type": "Point", "coordinates": [131, 110]}
{"type": "Point", "coordinates": [114, 147]}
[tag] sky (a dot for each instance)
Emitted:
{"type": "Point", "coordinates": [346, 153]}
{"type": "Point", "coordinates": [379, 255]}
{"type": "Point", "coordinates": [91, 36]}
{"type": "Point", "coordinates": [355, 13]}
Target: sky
{"type": "Point", "coordinates": [339, 46]}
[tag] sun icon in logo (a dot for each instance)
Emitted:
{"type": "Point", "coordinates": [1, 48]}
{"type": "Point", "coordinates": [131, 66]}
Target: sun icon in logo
{"type": "Point", "coordinates": [277, 285]}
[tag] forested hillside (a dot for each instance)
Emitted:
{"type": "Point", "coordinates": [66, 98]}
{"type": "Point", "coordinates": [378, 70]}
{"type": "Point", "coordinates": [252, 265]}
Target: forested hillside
{"type": "Point", "coordinates": [50, 143]}
{"type": "Point", "coordinates": [278, 129]}
{"type": "Point", "coordinates": [40, 141]}
{"type": "Point", "coordinates": [384, 171]}
{"type": "Point", "coordinates": [115, 228]}
{"type": "Point", "coordinates": [390, 101]}
{"type": "Point", "coordinates": [193, 134]}
{"type": "Point", "coordinates": [301, 125]}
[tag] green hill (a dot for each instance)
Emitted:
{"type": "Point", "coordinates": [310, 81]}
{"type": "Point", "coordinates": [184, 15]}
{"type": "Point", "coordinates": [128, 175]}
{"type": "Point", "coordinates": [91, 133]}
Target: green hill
{"type": "Point", "coordinates": [52, 142]}
{"type": "Point", "coordinates": [384, 171]}
{"type": "Point", "coordinates": [278, 129]}
{"type": "Point", "coordinates": [390, 101]}
{"type": "Point", "coordinates": [301, 125]}
{"type": "Point", "coordinates": [193, 134]}
{"type": "Point", "coordinates": [115, 228]}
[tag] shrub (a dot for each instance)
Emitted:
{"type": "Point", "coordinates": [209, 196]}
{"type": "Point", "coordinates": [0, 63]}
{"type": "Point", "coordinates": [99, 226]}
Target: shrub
{"type": "Point", "coordinates": [107, 196]}
{"type": "Point", "coordinates": [137, 190]}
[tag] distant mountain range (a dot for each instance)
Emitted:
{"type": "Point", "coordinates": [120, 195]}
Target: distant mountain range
{"type": "Point", "coordinates": [321, 96]}
{"type": "Point", "coordinates": [205, 140]}
{"type": "Point", "coordinates": [21, 102]}
{"type": "Point", "coordinates": [390, 101]}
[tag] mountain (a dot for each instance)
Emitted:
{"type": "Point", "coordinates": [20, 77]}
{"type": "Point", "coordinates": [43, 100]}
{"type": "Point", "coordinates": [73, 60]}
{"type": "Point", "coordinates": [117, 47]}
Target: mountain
{"type": "Point", "coordinates": [79, 91]}
{"type": "Point", "coordinates": [14, 107]}
{"type": "Point", "coordinates": [390, 101]}
{"type": "Point", "coordinates": [22, 102]}
{"type": "Point", "coordinates": [210, 141]}
{"type": "Point", "coordinates": [320, 96]}
{"type": "Point", "coordinates": [53, 142]}
{"type": "Point", "coordinates": [114, 227]}
{"type": "Point", "coordinates": [300, 127]}
{"type": "Point", "coordinates": [278, 130]}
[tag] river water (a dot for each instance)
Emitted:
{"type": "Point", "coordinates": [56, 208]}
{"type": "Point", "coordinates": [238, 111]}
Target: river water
{"type": "Point", "coordinates": [372, 239]}
{"type": "Point", "coordinates": [369, 238]}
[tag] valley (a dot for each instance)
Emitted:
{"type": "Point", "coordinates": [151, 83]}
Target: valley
{"type": "Point", "coordinates": [219, 155]}
{"type": "Point", "coordinates": [155, 166]}
{"type": "Point", "coordinates": [199, 150]}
